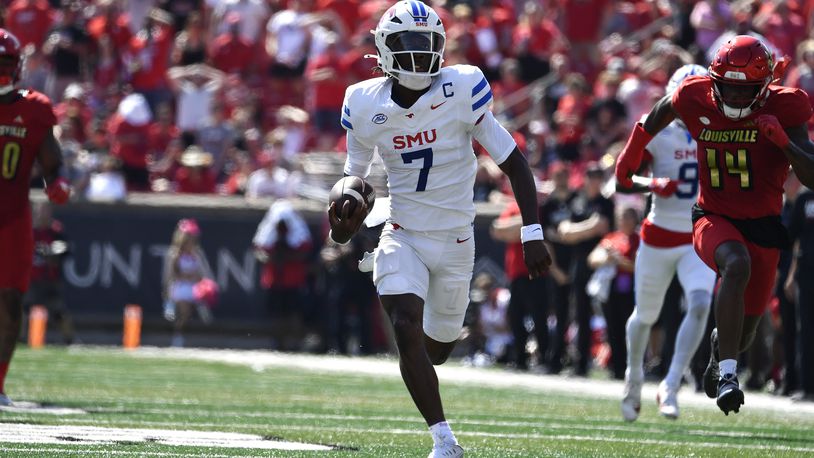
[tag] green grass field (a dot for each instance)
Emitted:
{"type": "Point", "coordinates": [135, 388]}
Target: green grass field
{"type": "Point", "coordinates": [357, 413]}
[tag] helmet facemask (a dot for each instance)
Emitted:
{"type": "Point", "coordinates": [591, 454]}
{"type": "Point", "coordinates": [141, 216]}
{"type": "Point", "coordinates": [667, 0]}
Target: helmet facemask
{"type": "Point", "coordinates": [739, 100]}
{"type": "Point", "coordinates": [410, 41]}
{"type": "Point", "coordinates": [417, 57]}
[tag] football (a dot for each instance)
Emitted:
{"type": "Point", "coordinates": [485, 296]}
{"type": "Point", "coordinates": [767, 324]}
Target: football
{"type": "Point", "coordinates": [353, 189]}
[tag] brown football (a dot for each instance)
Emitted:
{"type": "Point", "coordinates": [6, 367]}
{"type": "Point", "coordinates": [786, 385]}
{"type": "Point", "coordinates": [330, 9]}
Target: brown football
{"type": "Point", "coordinates": [352, 189]}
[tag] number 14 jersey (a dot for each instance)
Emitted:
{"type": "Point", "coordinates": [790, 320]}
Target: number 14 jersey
{"type": "Point", "coordinates": [741, 172]}
{"type": "Point", "coordinates": [426, 149]}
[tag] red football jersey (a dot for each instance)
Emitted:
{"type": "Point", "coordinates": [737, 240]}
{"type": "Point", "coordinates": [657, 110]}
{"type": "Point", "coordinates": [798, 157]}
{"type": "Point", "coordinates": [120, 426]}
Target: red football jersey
{"type": "Point", "coordinates": [741, 172]}
{"type": "Point", "coordinates": [23, 126]}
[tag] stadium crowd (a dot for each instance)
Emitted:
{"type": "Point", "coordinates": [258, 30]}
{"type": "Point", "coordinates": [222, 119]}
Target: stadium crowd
{"type": "Point", "coordinates": [228, 96]}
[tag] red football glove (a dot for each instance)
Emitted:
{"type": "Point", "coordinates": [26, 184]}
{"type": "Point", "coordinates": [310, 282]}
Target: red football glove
{"type": "Point", "coordinates": [630, 158]}
{"type": "Point", "coordinates": [663, 187]}
{"type": "Point", "coordinates": [59, 191]}
{"type": "Point", "coordinates": [771, 128]}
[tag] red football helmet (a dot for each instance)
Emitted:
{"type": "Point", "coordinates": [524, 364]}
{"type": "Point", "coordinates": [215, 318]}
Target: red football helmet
{"type": "Point", "coordinates": [741, 73]}
{"type": "Point", "coordinates": [11, 61]}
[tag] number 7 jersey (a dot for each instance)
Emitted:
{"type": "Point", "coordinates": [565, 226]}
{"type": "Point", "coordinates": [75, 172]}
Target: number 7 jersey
{"type": "Point", "coordinates": [426, 149]}
{"type": "Point", "coordinates": [741, 172]}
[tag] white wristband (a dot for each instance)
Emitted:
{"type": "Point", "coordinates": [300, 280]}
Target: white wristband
{"type": "Point", "coordinates": [331, 236]}
{"type": "Point", "coordinates": [531, 232]}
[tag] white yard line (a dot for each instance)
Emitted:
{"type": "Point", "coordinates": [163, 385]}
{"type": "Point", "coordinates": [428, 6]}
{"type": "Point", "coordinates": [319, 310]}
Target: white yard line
{"type": "Point", "coordinates": [458, 375]}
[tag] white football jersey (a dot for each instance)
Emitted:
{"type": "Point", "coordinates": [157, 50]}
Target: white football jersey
{"type": "Point", "coordinates": [426, 149]}
{"type": "Point", "coordinates": [674, 156]}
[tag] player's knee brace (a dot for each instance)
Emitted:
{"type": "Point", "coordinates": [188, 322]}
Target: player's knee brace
{"type": "Point", "coordinates": [698, 304]}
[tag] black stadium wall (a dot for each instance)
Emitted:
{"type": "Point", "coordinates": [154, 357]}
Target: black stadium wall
{"type": "Point", "coordinates": [117, 252]}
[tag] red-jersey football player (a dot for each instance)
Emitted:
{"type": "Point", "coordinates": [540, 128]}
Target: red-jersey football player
{"type": "Point", "coordinates": [748, 132]}
{"type": "Point", "coordinates": [26, 122]}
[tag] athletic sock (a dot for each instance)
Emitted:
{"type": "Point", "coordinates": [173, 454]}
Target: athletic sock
{"type": "Point", "coordinates": [637, 335]}
{"type": "Point", "coordinates": [442, 434]}
{"type": "Point", "coordinates": [728, 366]}
{"type": "Point", "coordinates": [3, 372]}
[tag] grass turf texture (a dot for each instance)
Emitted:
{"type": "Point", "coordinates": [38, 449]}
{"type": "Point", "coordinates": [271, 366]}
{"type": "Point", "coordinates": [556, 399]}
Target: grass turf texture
{"type": "Point", "coordinates": [364, 415]}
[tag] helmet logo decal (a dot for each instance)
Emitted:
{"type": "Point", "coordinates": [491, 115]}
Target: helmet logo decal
{"type": "Point", "coordinates": [419, 12]}
{"type": "Point", "coordinates": [735, 75]}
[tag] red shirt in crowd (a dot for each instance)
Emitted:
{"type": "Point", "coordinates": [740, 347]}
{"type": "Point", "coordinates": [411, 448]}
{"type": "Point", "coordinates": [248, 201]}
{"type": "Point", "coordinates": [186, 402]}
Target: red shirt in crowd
{"type": "Point", "coordinates": [287, 274]}
{"type": "Point", "coordinates": [29, 21]}
{"type": "Point", "coordinates": [513, 260]}
{"type": "Point", "coordinates": [540, 38]}
{"type": "Point", "coordinates": [195, 181]}
{"type": "Point", "coordinates": [231, 54]}
{"type": "Point", "coordinates": [151, 59]}
{"type": "Point", "coordinates": [583, 19]}
{"type": "Point", "coordinates": [326, 94]}
{"type": "Point", "coordinates": [128, 142]}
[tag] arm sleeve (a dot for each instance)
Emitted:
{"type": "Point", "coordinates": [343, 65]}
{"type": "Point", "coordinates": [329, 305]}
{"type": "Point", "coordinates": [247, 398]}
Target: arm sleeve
{"type": "Point", "coordinates": [359, 157]}
{"type": "Point", "coordinates": [494, 137]}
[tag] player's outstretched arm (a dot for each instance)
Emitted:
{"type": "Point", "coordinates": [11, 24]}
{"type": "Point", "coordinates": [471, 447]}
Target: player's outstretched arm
{"type": "Point", "coordinates": [535, 253]}
{"type": "Point", "coordinates": [50, 158]}
{"type": "Point", "coordinates": [630, 159]}
{"type": "Point", "coordinates": [794, 142]}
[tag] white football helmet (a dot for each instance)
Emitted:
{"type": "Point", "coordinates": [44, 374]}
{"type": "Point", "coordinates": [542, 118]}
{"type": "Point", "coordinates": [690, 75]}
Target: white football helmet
{"type": "Point", "coordinates": [410, 41]}
{"type": "Point", "coordinates": [682, 73]}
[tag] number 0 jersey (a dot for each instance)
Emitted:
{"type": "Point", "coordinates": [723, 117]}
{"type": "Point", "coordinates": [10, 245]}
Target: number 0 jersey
{"type": "Point", "coordinates": [672, 155]}
{"type": "Point", "coordinates": [427, 148]}
{"type": "Point", "coordinates": [741, 172]}
{"type": "Point", "coordinates": [23, 125]}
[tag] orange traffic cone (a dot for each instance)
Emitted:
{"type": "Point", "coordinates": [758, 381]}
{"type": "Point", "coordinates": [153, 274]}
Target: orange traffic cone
{"type": "Point", "coordinates": [37, 326]}
{"type": "Point", "coordinates": [132, 326]}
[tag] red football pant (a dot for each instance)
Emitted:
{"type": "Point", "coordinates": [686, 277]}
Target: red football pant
{"type": "Point", "coordinates": [710, 231]}
{"type": "Point", "coordinates": [16, 253]}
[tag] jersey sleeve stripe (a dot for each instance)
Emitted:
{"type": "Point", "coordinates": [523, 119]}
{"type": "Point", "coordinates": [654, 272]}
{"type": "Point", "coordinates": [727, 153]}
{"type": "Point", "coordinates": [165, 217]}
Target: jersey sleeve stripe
{"type": "Point", "coordinates": [482, 101]}
{"type": "Point", "coordinates": [347, 124]}
{"type": "Point", "coordinates": [479, 87]}
{"type": "Point", "coordinates": [346, 110]}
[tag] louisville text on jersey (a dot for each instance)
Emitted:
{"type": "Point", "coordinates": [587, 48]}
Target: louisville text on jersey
{"type": "Point", "coordinates": [13, 131]}
{"type": "Point", "coordinates": [728, 136]}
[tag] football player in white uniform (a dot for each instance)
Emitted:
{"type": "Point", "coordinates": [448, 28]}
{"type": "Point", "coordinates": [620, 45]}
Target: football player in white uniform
{"type": "Point", "coordinates": [421, 118]}
{"type": "Point", "coordinates": [667, 249]}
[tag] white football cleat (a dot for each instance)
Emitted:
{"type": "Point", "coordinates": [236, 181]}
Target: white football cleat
{"type": "Point", "coordinates": [5, 401]}
{"type": "Point", "coordinates": [446, 451]}
{"type": "Point", "coordinates": [366, 263]}
{"type": "Point", "coordinates": [632, 399]}
{"type": "Point", "coordinates": [668, 401]}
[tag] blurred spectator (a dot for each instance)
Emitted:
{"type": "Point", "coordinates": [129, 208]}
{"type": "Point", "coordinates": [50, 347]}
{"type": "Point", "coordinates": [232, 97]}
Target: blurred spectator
{"type": "Point", "coordinates": [802, 74]}
{"type": "Point", "coordinates": [592, 216]}
{"type": "Point", "coordinates": [162, 132]}
{"type": "Point", "coordinates": [230, 52]}
{"type": "Point", "coordinates": [800, 289]}
{"type": "Point", "coordinates": [742, 26]}
{"type": "Point", "coordinates": [326, 91]}
{"type": "Point", "coordinates": [710, 18]}
{"type": "Point", "coordinates": [555, 209]}
{"type": "Point", "coordinates": [782, 27]}
{"type": "Point", "coordinates": [67, 46]}
{"type": "Point", "coordinates": [73, 110]}
{"type": "Point", "coordinates": [107, 68]}
{"type": "Point", "coordinates": [108, 183]}
{"type": "Point", "coordinates": [195, 176]}
{"type": "Point", "coordinates": [195, 87]}
{"type": "Point", "coordinates": [238, 168]}
{"type": "Point", "coordinates": [272, 179]}
{"type": "Point", "coordinates": [605, 124]}
{"type": "Point", "coordinates": [788, 314]}
{"type": "Point", "coordinates": [493, 328]}
{"type": "Point", "coordinates": [252, 14]}
{"type": "Point", "coordinates": [190, 45]}
{"type": "Point", "coordinates": [147, 56]}
{"type": "Point", "coordinates": [216, 136]}
{"type": "Point", "coordinates": [535, 39]}
{"type": "Point", "coordinates": [293, 131]}
{"type": "Point", "coordinates": [346, 10]}
{"type": "Point", "coordinates": [182, 10]}
{"type": "Point", "coordinates": [29, 21]}
{"type": "Point", "coordinates": [511, 81]}
{"type": "Point", "coordinates": [282, 244]}
{"type": "Point", "coordinates": [528, 296]}
{"type": "Point", "coordinates": [129, 132]}
{"type": "Point", "coordinates": [287, 43]}
{"type": "Point", "coordinates": [582, 22]}
{"type": "Point", "coordinates": [616, 254]}
{"type": "Point", "coordinates": [570, 117]}
{"type": "Point", "coordinates": [487, 179]}
{"type": "Point", "coordinates": [184, 266]}
{"type": "Point", "coordinates": [46, 289]}
{"type": "Point", "coordinates": [36, 70]}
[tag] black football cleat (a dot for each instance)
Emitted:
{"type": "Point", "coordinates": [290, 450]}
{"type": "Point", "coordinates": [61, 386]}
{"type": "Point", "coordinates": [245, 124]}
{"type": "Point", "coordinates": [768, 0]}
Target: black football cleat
{"type": "Point", "coordinates": [711, 375]}
{"type": "Point", "coordinates": [730, 396]}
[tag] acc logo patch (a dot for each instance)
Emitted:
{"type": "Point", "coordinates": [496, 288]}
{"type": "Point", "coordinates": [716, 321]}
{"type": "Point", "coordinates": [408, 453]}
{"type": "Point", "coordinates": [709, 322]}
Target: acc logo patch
{"type": "Point", "coordinates": [380, 118]}
{"type": "Point", "coordinates": [704, 120]}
